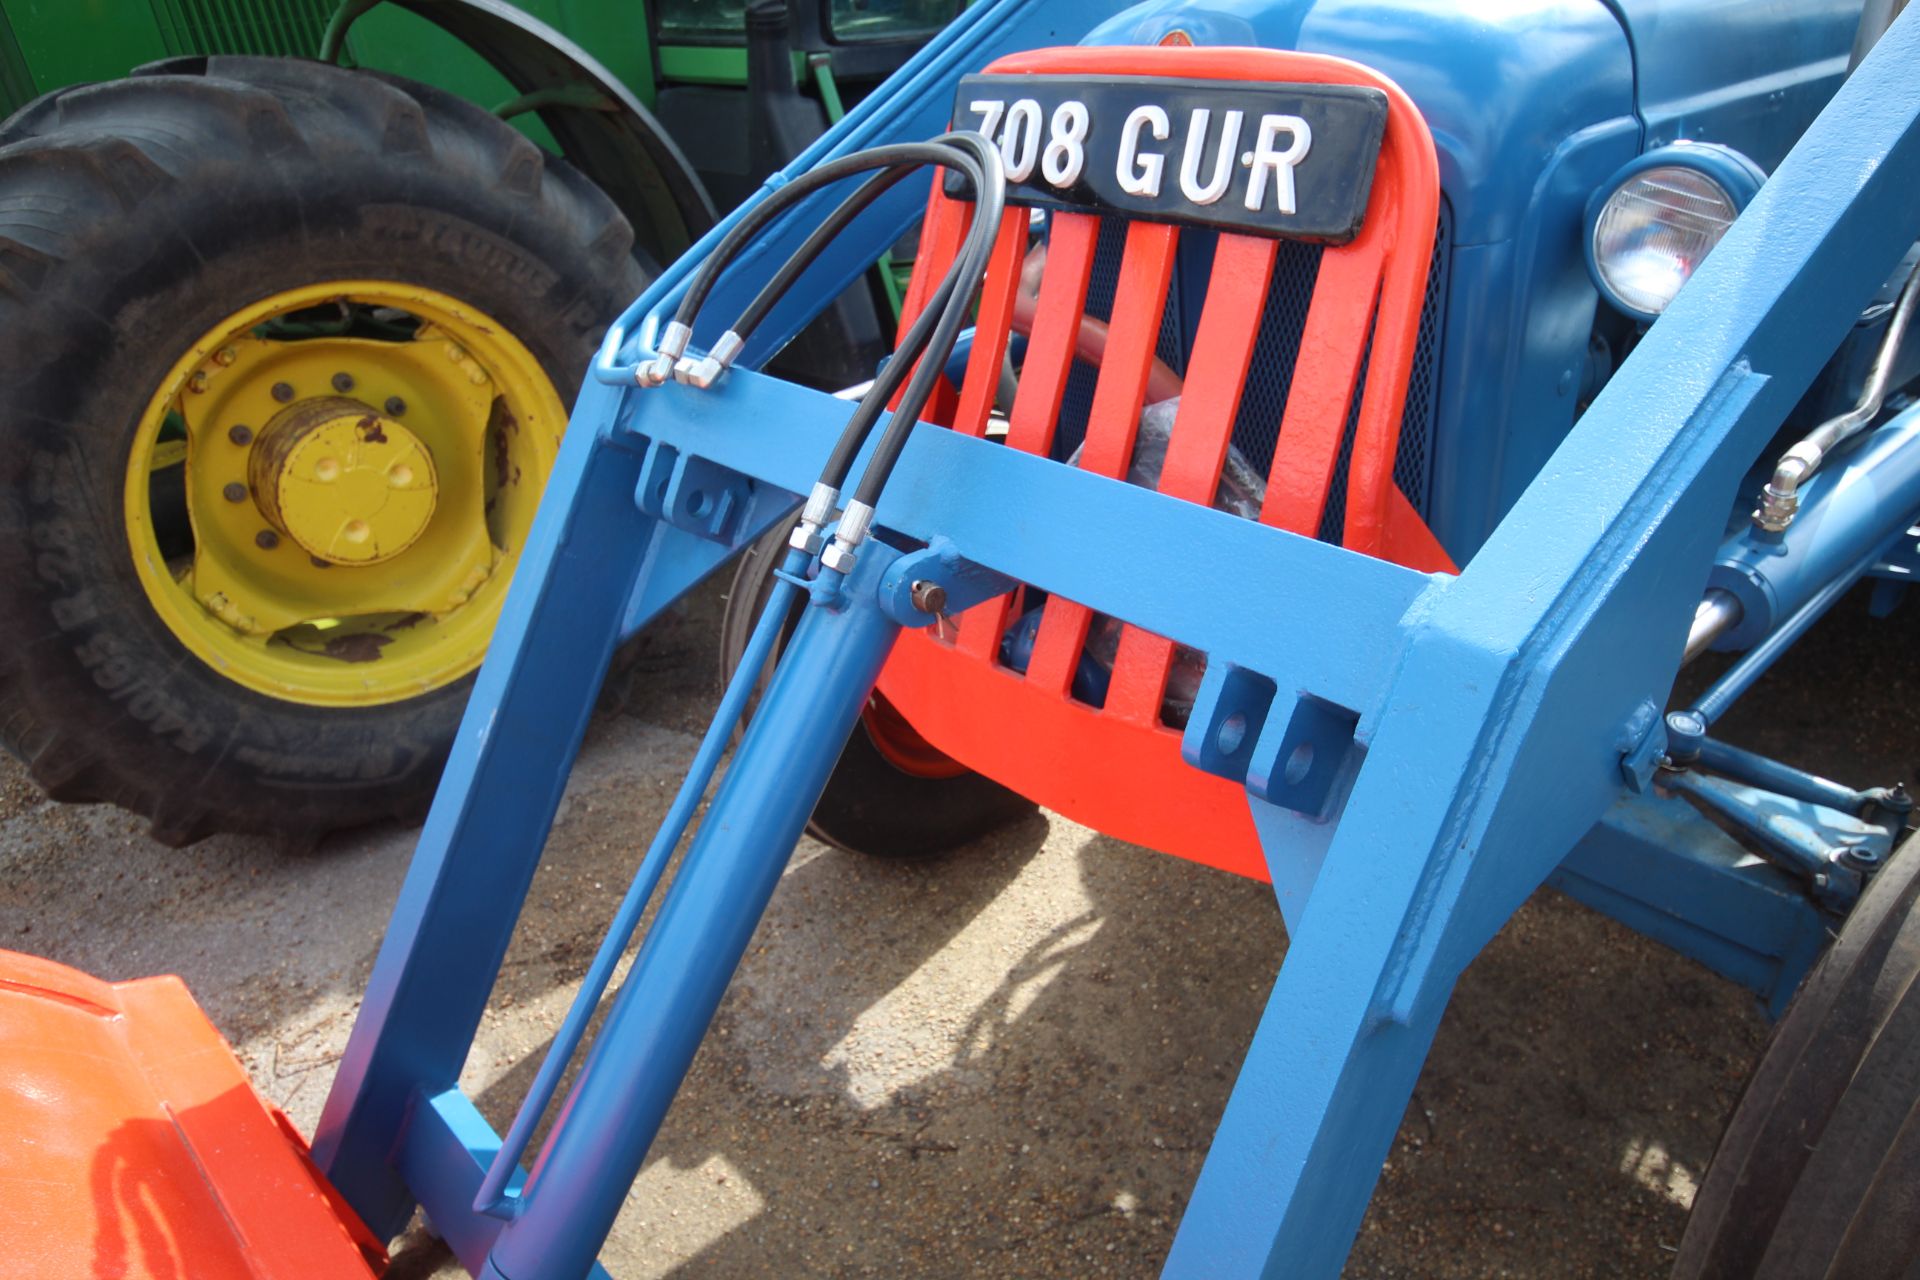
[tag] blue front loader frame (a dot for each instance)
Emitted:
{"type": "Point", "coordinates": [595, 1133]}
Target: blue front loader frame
{"type": "Point", "coordinates": [1501, 716]}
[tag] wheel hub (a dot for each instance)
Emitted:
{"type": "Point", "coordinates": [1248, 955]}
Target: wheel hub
{"type": "Point", "coordinates": [347, 483]}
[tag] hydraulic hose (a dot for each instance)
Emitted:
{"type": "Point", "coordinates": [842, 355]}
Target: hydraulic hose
{"type": "Point", "coordinates": [950, 312]}
{"type": "Point", "coordinates": [923, 351]}
{"type": "Point", "coordinates": [1780, 496]}
{"type": "Point", "coordinates": [823, 235]}
{"type": "Point", "coordinates": [938, 323]}
{"type": "Point", "coordinates": [673, 343]}
{"type": "Point", "coordinates": [492, 1199]}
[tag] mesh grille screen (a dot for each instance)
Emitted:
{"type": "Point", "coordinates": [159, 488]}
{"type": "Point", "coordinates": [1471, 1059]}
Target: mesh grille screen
{"type": "Point", "coordinates": [1257, 427]}
{"type": "Point", "coordinates": [281, 28]}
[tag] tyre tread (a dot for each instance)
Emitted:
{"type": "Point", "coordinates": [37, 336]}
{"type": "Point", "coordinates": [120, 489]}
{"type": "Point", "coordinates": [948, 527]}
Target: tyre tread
{"type": "Point", "coordinates": [80, 165]}
{"type": "Point", "coordinates": [1827, 1111]}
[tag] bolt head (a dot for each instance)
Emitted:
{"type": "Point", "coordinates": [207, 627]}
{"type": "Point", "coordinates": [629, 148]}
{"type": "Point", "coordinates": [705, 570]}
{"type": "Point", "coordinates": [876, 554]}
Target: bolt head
{"type": "Point", "coordinates": [240, 434]}
{"type": "Point", "coordinates": [396, 406]}
{"type": "Point", "coordinates": [1686, 722]}
{"type": "Point", "coordinates": [235, 492]}
{"type": "Point", "coordinates": [225, 356]}
{"type": "Point", "coordinates": [283, 392]}
{"type": "Point", "coordinates": [929, 597]}
{"type": "Point", "coordinates": [1821, 880]}
{"type": "Point", "coordinates": [343, 382]}
{"type": "Point", "coordinates": [266, 539]}
{"type": "Point", "coordinates": [198, 382]}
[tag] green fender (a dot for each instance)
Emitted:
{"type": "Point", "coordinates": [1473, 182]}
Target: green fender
{"type": "Point", "coordinates": [600, 126]}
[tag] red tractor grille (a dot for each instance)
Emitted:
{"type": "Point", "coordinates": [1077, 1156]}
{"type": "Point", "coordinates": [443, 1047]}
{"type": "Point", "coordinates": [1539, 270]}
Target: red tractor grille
{"type": "Point", "coordinates": [1114, 762]}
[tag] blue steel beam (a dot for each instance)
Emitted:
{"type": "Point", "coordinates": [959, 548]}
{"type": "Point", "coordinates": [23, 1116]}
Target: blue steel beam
{"type": "Point", "coordinates": [482, 840]}
{"type": "Point", "coordinates": [1517, 687]}
{"type": "Point", "coordinates": [1655, 864]}
{"type": "Point", "coordinates": [1509, 694]}
{"type": "Point", "coordinates": [719, 892]}
{"type": "Point", "coordinates": [576, 591]}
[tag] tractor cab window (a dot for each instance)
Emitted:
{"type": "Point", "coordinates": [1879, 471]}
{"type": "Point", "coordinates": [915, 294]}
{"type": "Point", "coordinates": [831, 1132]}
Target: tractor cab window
{"type": "Point", "coordinates": [860, 20]}
{"type": "Point", "coordinates": [846, 21]}
{"type": "Point", "coordinates": [702, 19]}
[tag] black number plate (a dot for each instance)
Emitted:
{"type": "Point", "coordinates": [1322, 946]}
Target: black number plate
{"type": "Point", "coordinates": [1274, 159]}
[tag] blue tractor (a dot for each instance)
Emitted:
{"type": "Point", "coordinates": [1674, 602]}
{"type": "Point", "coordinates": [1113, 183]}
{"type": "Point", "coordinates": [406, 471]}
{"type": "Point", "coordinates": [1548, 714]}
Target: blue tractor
{"type": "Point", "coordinates": [1318, 438]}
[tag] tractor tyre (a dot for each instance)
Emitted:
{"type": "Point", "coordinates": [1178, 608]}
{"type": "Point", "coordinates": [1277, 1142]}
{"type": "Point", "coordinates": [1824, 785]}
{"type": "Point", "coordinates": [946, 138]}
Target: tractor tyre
{"type": "Point", "coordinates": [286, 352]}
{"type": "Point", "coordinates": [891, 794]}
{"type": "Point", "coordinates": [1818, 1174]}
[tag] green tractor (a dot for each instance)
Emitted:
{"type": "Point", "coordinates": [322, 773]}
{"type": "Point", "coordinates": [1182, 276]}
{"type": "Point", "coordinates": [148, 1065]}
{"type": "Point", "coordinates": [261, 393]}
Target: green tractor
{"type": "Point", "coordinates": [294, 297]}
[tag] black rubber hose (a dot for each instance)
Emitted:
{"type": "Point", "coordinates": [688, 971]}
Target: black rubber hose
{"type": "Point", "coordinates": [756, 219]}
{"type": "Point", "coordinates": [823, 235]}
{"type": "Point", "coordinates": [911, 349]}
{"type": "Point", "coordinates": [984, 172]}
{"type": "Point", "coordinates": [990, 205]}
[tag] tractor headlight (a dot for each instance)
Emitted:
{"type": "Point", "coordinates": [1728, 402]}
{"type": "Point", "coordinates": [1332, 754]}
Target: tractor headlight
{"type": "Point", "coordinates": [1650, 227]}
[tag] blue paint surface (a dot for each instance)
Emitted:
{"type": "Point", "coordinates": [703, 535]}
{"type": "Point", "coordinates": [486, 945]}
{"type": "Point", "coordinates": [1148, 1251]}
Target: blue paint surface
{"type": "Point", "coordinates": [1481, 720]}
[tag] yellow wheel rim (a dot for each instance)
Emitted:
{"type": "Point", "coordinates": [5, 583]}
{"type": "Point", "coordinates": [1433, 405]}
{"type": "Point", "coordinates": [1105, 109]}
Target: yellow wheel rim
{"type": "Point", "coordinates": [326, 497]}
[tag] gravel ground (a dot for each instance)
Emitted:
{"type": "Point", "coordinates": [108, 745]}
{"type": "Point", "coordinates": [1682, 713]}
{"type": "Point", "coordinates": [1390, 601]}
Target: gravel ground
{"type": "Point", "coordinates": [1004, 1063]}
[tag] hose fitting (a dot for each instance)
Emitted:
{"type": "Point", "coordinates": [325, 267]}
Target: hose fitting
{"type": "Point", "coordinates": [706, 371]}
{"type": "Point", "coordinates": [814, 517]}
{"type": "Point", "coordinates": [673, 345]}
{"type": "Point", "coordinates": [854, 525]}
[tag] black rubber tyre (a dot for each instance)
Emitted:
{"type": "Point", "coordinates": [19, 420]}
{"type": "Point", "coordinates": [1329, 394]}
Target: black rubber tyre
{"type": "Point", "coordinates": [138, 213]}
{"type": "Point", "coordinates": [1818, 1174]}
{"type": "Point", "coordinates": [870, 806]}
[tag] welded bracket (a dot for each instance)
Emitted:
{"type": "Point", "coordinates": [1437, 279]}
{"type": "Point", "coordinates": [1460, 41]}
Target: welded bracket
{"type": "Point", "coordinates": [691, 492]}
{"type": "Point", "coordinates": [924, 586]}
{"type": "Point", "coordinates": [1306, 762]}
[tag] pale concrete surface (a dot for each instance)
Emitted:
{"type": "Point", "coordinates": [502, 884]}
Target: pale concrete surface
{"type": "Point", "coordinates": [1005, 1063]}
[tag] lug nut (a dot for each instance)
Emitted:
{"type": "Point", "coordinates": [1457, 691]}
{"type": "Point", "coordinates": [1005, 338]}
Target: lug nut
{"type": "Point", "coordinates": [343, 382]}
{"type": "Point", "coordinates": [225, 356]}
{"type": "Point", "coordinates": [282, 392]}
{"type": "Point", "coordinates": [396, 406]}
{"type": "Point", "coordinates": [235, 492]}
{"type": "Point", "coordinates": [240, 434]}
{"type": "Point", "coordinates": [266, 539]}
{"type": "Point", "coordinates": [198, 382]}
{"type": "Point", "coordinates": [929, 597]}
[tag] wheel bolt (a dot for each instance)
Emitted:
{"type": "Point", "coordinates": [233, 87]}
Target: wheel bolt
{"type": "Point", "coordinates": [396, 406]}
{"type": "Point", "coordinates": [225, 356]}
{"type": "Point", "coordinates": [198, 382]}
{"type": "Point", "coordinates": [240, 434]}
{"type": "Point", "coordinates": [235, 492]}
{"type": "Point", "coordinates": [282, 392]}
{"type": "Point", "coordinates": [266, 539]}
{"type": "Point", "coordinates": [343, 382]}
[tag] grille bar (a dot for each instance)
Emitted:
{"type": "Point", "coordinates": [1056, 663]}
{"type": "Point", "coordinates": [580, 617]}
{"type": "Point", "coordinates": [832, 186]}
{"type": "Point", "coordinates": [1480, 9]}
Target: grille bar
{"type": "Point", "coordinates": [1257, 427]}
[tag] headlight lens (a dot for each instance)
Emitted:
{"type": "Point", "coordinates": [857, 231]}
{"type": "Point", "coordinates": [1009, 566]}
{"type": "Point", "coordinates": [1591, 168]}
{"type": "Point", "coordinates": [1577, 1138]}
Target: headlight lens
{"type": "Point", "coordinates": [1653, 232]}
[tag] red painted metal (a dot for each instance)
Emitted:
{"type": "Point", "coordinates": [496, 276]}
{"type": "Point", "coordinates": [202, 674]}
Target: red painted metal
{"type": "Point", "coordinates": [1118, 768]}
{"type": "Point", "coordinates": [134, 1144]}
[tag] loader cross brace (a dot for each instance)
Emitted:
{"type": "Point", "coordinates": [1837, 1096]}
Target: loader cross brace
{"type": "Point", "coordinates": [1487, 714]}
